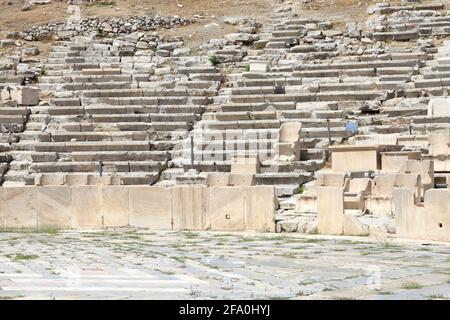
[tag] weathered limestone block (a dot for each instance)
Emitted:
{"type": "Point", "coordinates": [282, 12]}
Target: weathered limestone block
{"type": "Point", "coordinates": [94, 180]}
{"type": "Point", "coordinates": [439, 143]}
{"type": "Point", "coordinates": [2, 191]}
{"type": "Point", "coordinates": [330, 179]}
{"type": "Point", "coordinates": [190, 208]}
{"type": "Point", "coordinates": [54, 206]}
{"type": "Point", "coordinates": [354, 227]}
{"type": "Point", "coordinates": [246, 165]}
{"type": "Point", "coordinates": [425, 169]}
{"type": "Point", "coordinates": [258, 66]}
{"type": "Point", "coordinates": [116, 206]}
{"type": "Point", "coordinates": [380, 201]}
{"type": "Point", "coordinates": [76, 180]}
{"type": "Point", "coordinates": [307, 201]}
{"type": "Point", "coordinates": [51, 179]}
{"type": "Point", "coordinates": [230, 179]}
{"type": "Point", "coordinates": [241, 179]}
{"type": "Point", "coordinates": [355, 191]}
{"type": "Point", "coordinates": [396, 161]}
{"type": "Point", "coordinates": [20, 208]}
{"type": "Point", "coordinates": [150, 207]}
{"type": "Point", "coordinates": [410, 220]}
{"type": "Point", "coordinates": [437, 207]}
{"type": "Point", "coordinates": [289, 141]}
{"type": "Point", "coordinates": [439, 107]}
{"type": "Point", "coordinates": [354, 158]}
{"type": "Point", "coordinates": [217, 179]}
{"type": "Point", "coordinates": [330, 210]}
{"type": "Point", "coordinates": [226, 208]}
{"type": "Point", "coordinates": [25, 96]}
{"type": "Point", "coordinates": [348, 158]}
{"type": "Point", "coordinates": [260, 206]}
{"type": "Point", "coordinates": [87, 207]}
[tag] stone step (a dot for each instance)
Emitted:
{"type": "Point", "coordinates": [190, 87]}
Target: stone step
{"type": "Point", "coordinates": [396, 35]}
{"type": "Point", "coordinates": [138, 101]}
{"type": "Point", "coordinates": [102, 126]}
{"type": "Point", "coordinates": [119, 136]}
{"type": "Point", "coordinates": [173, 117]}
{"type": "Point", "coordinates": [100, 71]}
{"type": "Point", "coordinates": [171, 126]}
{"type": "Point", "coordinates": [198, 70]}
{"type": "Point", "coordinates": [206, 77]}
{"type": "Point", "coordinates": [277, 45]}
{"type": "Point", "coordinates": [135, 93]}
{"type": "Point", "coordinates": [432, 83]}
{"type": "Point", "coordinates": [282, 178]}
{"type": "Point", "coordinates": [361, 95]}
{"type": "Point", "coordinates": [282, 81]}
{"type": "Point", "coordinates": [359, 65]}
{"type": "Point", "coordinates": [225, 166]}
{"type": "Point", "coordinates": [402, 112]}
{"type": "Point", "coordinates": [257, 107]}
{"type": "Point", "coordinates": [437, 75]}
{"type": "Point", "coordinates": [12, 119]}
{"type": "Point", "coordinates": [109, 166]}
{"type": "Point", "coordinates": [102, 78]}
{"type": "Point", "coordinates": [14, 111]}
{"type": "Point", "coordinates": [93, 146]}
{"type": "Point", "coordinates": [253, 90]}
{"type": "Point", "coordinates": [286, 33]}
{"type": "Point", "coordinates": [120, 156]}
{"type": "Point", "coordinates": [65, 102]}
{"type": "Point", "coordinates": [239, 115]}
{"type": "Point", "coordinates": [95, 86]}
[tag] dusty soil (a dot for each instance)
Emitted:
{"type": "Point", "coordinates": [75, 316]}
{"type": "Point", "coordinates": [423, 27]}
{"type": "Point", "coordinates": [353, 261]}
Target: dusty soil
{"type": "Point", "coordinates": [12, 18]}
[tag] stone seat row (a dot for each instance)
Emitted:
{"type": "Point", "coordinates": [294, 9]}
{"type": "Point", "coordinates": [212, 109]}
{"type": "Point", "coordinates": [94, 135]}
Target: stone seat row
{"type": "Point", "coordinates": [80, 156]}
{"type": "Point", "coordinates": [299, 77]}
{"type": "Point", "coordinates": [268, 123]}
{"type": "Point", "coordinates": [151, 113]}
{"type": "Point", "coordinates": [363, 95]}
{"type": "Point", "coordinates": [168, 100]}
{"type": "Point", "coordinates": [416, 7]}
{"type": "Point", "coordinates": [93, 166]}
{"type": "Point", "coordinates": [119, 136]}
{"type": "Point", "coordinates": [79, 179]}
{"type": "Point", "coordinates": [325, 87]}
{"type": "Point", "coordinates": [224, 134]}
{"type": "Point", "coordinates": [227, 115]}
{"type": "Point", "coordinates": [361, 65]}
{"type": "Point", "coordinates": [136, 93]}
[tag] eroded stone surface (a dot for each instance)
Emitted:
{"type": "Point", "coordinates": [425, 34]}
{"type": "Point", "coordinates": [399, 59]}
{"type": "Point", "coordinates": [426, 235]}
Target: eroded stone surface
{"type": "Point", "coordinates": [201, 265]}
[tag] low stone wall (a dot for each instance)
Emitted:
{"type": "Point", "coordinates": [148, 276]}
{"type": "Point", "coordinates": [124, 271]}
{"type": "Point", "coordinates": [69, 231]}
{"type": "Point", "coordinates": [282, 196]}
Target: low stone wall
{"type": "Point", "coordinates": [429, 220]}
{"type": "Point", "coordinates": [158, 208]}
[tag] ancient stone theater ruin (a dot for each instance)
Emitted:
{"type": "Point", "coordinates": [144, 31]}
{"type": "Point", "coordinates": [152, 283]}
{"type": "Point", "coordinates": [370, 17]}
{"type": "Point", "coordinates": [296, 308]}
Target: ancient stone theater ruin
{"type": "Point", "coordinates": [292, 123]}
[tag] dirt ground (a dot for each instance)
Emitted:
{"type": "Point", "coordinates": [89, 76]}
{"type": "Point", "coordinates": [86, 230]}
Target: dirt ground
{"type": "Point", "coordinates": [12, 18]}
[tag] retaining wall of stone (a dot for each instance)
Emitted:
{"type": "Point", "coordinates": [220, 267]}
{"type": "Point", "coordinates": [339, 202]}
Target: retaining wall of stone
{"type": "Point", "coordinates": [157, 208]}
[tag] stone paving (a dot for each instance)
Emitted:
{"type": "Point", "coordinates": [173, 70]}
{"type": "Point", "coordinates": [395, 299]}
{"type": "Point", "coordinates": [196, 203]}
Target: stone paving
{"type": "Point", "coordinates": [130, 264]}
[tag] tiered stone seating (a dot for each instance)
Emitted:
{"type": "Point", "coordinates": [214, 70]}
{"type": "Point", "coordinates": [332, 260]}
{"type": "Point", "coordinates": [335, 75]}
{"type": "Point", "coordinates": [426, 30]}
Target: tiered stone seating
{"type": "Point", "coordinates": [13, 118]}
{"type": "Point", "coordinates": [111, 114]}
{"type": "Point", "coordinates": [150, 118]}
{"type": "Point", "coordinates": [4, 156]}
{"type": "Point", "coordinates": [374, 90]}
{"type": "Point", "coordinates": [406, 22]}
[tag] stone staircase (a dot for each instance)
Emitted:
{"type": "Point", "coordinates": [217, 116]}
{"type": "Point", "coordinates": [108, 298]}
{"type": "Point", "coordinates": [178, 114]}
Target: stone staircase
{"type": "Point", "coordinates": [125, 111]}
{"type": "Point", "coordinates": [148, 117]}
